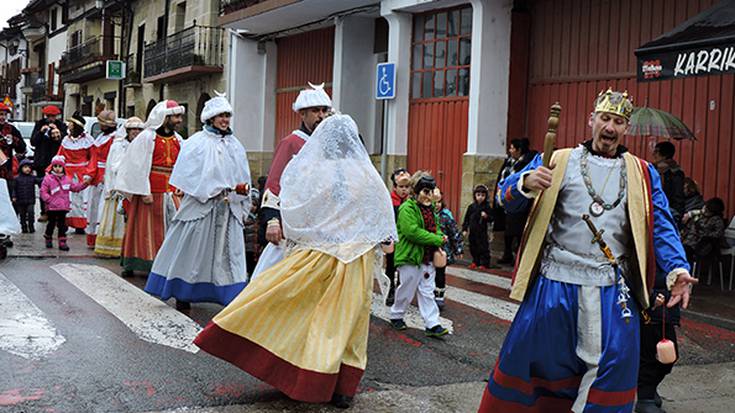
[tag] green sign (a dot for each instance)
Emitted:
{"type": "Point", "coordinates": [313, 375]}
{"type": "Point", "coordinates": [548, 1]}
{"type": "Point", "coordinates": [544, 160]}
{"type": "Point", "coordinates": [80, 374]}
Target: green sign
{"type": "Point", "coordinates": [115, 70]}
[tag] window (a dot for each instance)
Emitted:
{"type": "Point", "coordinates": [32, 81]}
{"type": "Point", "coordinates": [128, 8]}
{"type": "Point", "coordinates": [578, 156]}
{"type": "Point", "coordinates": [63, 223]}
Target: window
{"type": "Point", "coordinates": [441, 49]}
{"type": "Point", "coordinates": [75, 39]}
{"type": "Point", "coordinates": [54, 18]}
{"type": "Point", "coordinates": [180, 17]}
{"type": "Point", "coordinates": [161, 28]}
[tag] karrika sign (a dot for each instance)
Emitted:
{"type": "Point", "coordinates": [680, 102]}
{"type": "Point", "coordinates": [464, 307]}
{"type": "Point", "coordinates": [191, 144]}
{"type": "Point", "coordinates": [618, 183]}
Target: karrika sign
{"type": "Point", "coordinates": [678, 64]}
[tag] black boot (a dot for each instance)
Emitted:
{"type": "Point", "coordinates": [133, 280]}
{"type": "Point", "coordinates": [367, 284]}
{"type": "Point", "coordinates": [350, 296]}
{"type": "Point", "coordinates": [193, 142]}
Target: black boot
{"type": "Point", "coordinates": [183, 305]}
{"type": "Point", "coordinates": [391, 297]}
{"type": "Point", "coordinates": [127, 274]}
{"type": "Point", "coordinates": [341, 402]}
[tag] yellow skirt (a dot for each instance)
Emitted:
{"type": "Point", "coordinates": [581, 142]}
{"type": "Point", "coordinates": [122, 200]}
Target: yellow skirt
{"type": "Point", "coordinates": [111, 230]}
{"type": "Point", "coordinates": [301, 326]}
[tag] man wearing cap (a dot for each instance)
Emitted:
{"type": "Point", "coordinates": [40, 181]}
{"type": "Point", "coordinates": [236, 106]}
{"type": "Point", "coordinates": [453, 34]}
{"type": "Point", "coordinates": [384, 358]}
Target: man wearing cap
{"type": "Point", "coordinates": [50, 116]}
{"type": "Point", "coordinates": [102, 144]}
{"type": "Point", "coordinates": [313, 105]}
{"type": "Point", "coordinates": [46, 139]}
{"type": "Point", "coordinates": [144, 180]}
{"type": "Point", "coordinates": [77, 148]}
{"type": "Point", "coordinates": [10, 140]}
{"type": "Point", "coordinates": [574, 343]}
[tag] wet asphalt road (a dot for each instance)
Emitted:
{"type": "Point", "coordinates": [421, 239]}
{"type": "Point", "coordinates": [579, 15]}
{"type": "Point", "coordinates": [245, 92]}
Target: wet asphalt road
{"type": "Point", "coordinates": [104, 367]}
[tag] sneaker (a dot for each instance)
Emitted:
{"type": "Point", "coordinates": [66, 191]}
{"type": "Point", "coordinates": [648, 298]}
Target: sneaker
{"type": "Point", "coordinates": [63, 246]}
{"type": "Point", "coordinates": [398, 324]}
{"type": "Point", "coordinates": [482, 268]}
{"type": "Point", "coordinates": [341, 401]}
{"type": "Point", "coordinates": [49, 243]}
{"type": "Point", "coordinates": [436, 331]}
{"type": "Point", "coordinates": [473, 266]}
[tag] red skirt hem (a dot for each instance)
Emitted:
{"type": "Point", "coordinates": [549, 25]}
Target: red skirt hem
{"type": "Point", "coordinates": [297, 383]}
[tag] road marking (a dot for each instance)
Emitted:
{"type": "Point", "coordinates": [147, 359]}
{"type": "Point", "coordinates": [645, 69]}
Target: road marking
{"type": "Point", "coordinates": [148, 317]}
{"type": "Point", "coordinates": [24, 330]}
{"type": "Point", "coordinates": [412, 318]}
{"type": "Point", "coordinates": [505, 310]}
{"type": "Point", "coordinates": [480, 277]}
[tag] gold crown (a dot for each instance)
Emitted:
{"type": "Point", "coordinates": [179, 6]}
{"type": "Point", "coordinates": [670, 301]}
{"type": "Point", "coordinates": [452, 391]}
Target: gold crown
{"type": "Point", "coordinates": [614, 102]}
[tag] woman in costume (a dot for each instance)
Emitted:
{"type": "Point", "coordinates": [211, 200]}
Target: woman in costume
{"type": "Point", "coordinates": [112, 223]}
{"type": "Point", "coordinates": [202, 258]}
{"type": "Point", "coordinates": [144, 180]}
{"type": "Point", "coordinates": [302, 325]}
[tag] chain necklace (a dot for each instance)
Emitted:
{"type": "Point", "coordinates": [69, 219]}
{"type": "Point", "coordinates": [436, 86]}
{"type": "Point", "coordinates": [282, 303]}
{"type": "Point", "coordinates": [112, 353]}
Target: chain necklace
{"type": "Point", "coordinates": [598, 205]}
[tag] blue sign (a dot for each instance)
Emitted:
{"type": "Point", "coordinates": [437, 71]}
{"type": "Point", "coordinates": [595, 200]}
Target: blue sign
{"type": "Point", "coordinates": [385, 81]}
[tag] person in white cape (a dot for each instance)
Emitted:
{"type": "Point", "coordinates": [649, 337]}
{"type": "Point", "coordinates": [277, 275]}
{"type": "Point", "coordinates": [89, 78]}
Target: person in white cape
{"type": "Point", "coordinates": [303, 325]}
{"type": "Point", "coordinates": [112, 221]}
{"type": "Point", "coordinates": [144, 180]}
{"type": "Point", "coordinates": [202, 258]}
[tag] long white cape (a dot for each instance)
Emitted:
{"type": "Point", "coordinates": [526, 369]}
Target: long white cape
{"type": "Point", "coordinates": [133, 177]}
{"type": "Point", "coordinates": [210, 163]}
{"type": "Point", "coordinates": [8, 220]}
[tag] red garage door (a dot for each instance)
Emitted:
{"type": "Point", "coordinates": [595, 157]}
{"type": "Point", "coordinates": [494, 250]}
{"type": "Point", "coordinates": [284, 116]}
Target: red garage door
{"type": "Point", "coordinates": [438, 114]}
{"type": "Point", "coordinates": [302, 58]}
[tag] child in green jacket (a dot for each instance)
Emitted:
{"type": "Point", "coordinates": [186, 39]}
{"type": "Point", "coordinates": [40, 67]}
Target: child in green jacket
{"type": "Point", "coordinates": [419, 237]}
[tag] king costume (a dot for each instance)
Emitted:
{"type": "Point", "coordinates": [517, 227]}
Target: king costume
{"type": "Point", "coordinates": [302, 326]}
{"type": "Point", "coordinates": [147, 174]}
{"type": "Point", "coordinates": [202, 258]}
{"type": "Point", "coordinates": [574, 343]}
{"type": "Point", "coordinates": [286, 150]}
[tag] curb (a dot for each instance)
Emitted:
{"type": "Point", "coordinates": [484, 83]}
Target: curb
{"type": "Point", "coordinates": [709, 319]}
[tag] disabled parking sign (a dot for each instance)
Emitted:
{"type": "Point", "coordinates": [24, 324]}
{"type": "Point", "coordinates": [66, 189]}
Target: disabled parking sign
{"type": "Point", "coordinates": [385, 81]}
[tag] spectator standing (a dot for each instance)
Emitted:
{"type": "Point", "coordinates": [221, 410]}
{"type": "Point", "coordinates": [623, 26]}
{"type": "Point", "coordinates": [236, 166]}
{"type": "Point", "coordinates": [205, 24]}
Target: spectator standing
{"type": "Point", "coordinates": [672, 177]}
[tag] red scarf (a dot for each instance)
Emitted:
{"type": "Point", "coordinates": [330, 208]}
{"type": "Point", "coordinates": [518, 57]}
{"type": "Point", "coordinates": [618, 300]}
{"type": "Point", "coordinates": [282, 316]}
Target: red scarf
{"type": "Point", "coordinates": [396, 199]}
{"type": "Point", "coordinates": [427, 213]}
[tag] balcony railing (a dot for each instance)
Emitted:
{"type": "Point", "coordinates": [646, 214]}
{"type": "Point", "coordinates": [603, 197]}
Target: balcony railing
{"type": "Point", "coordinates": [229, 6]}
{"type": "Point", "coordinates": [97, 48]}
{"type": "Point", "coordinates": [197, 49]}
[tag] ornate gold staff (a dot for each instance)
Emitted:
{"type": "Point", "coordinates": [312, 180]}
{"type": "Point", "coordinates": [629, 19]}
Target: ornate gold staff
{"type": "Point", "coordinates": [550, 139]}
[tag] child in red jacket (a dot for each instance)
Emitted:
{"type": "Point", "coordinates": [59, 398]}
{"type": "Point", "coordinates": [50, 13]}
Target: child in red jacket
{"type": "Point", "coordinates": [55, 190]}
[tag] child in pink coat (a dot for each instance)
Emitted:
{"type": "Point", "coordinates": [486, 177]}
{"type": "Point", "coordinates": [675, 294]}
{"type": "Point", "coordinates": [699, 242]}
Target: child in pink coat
{"type": "Point", "coordinates": [55, 190]}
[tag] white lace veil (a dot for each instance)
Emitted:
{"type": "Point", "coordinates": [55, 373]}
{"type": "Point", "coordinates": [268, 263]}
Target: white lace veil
{"type": "Point", "coordinates": [332, 197]}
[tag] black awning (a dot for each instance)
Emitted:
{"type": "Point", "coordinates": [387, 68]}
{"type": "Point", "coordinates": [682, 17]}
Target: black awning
{"type": "Point", "coordinates": [703, 45]}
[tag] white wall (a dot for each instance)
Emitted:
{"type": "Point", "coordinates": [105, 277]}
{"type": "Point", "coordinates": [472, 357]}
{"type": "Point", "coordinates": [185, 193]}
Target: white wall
{"type": "Point", "coordinates": [489, 75]}
{"type": "Point", "coordinates": [399, 52]}
{"type": "Point", "coordinates": [354, 74]}
{"type": "Point", "coordinates": [55, 47]}
{"type": "Point", "coordinates": [251, 87]}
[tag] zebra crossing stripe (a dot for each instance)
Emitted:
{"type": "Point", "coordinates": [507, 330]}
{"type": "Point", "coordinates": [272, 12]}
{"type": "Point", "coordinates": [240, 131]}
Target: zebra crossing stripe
{"type": "Point", "coordinates": [148, 317]}
{"type": "Point", "coordinates": [505, 310]}
{"type": "Point", "coordinates": [24, 330]}
{"type": "Point", "coordinates": [480, 277]}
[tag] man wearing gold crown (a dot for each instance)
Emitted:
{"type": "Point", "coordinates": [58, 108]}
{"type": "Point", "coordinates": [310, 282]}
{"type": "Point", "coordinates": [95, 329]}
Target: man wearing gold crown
{"type": "Point", "coordinates": [574, 343]}
{"type": "Point", "coordinates": [312, 105]}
